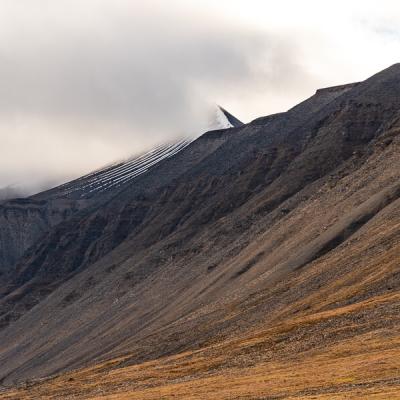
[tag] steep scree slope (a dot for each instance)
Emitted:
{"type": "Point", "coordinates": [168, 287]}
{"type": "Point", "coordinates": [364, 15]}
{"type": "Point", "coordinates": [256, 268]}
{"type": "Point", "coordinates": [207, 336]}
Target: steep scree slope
{"type": "Point", "coordinates": [282, 233]}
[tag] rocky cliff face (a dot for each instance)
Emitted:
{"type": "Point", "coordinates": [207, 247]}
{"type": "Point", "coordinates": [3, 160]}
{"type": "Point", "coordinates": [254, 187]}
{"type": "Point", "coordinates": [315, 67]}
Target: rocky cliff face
{"type": "Point", "coordinates": [24, 221]}
{"type": "Point", "coordinates": [241, 228]}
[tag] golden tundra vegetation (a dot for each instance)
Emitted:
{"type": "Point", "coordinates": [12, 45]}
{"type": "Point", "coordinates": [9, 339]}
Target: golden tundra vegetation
{"type": "Point", "coordinates": [269, 364]}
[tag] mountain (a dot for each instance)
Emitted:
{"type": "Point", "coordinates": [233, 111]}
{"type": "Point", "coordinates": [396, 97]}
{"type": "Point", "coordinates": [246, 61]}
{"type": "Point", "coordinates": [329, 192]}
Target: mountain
{"type": "Point", "coordinates": [258, 261]}
{"type": "Point", "coordinates": [24, 219]}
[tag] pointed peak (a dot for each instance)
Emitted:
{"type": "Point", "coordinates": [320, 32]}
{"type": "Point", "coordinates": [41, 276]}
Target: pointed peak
{"type": "Point", "coordinates": [222, 119]}
{"type": "Point", "coordinates": [235, 122]}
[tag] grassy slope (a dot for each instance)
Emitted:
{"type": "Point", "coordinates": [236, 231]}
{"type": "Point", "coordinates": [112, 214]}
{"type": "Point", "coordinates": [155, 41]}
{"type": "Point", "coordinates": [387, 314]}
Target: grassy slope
{"type": "Point", "coordinates": [264, 364]}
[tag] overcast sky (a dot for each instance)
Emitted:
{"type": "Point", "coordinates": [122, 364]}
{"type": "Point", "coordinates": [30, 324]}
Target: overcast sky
{"type": "Point", "coordinates": [85, 82]}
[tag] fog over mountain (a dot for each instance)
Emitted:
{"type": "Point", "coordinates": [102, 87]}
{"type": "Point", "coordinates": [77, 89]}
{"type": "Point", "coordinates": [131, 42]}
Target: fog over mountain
{"type": "Point", "coordinates": [199, 199]}
{"type": "Point", "coordinates": [84, 83]}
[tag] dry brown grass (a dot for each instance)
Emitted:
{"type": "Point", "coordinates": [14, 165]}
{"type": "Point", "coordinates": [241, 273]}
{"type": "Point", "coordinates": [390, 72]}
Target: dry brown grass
{"type": "Point", "coordinates": [266, 364]}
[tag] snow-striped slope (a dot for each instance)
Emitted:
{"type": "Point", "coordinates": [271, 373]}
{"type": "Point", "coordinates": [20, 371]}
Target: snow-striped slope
{"type": "Point", "coordinates": [122, 173]}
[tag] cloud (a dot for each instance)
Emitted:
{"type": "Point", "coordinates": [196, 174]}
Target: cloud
{"type": "Point", "coordinates": [85, 82]}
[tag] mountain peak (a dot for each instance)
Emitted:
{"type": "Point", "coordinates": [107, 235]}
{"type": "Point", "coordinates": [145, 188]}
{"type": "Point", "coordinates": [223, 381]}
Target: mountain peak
{"type": "Point", "coordinates": [222, 119]}
{"type": "Point", "coordinates": [231, 119]}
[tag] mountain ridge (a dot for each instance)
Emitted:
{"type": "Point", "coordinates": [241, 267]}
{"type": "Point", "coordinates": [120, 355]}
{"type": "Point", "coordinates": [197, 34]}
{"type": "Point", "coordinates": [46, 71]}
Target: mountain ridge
{"type": "Point", "coordinates": [242, 231]}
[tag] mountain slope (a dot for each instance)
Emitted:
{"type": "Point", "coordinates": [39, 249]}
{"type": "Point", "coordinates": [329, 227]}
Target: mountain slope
{"type": "Point", "coordinates": [25, 221]}
{"type": "Point", "coordinates": [282, 233]}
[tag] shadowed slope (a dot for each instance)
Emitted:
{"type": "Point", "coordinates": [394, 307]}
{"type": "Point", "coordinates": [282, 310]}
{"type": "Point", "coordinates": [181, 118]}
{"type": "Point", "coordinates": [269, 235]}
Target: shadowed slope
{"type": "Point", "coordinates": [23, 222]}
